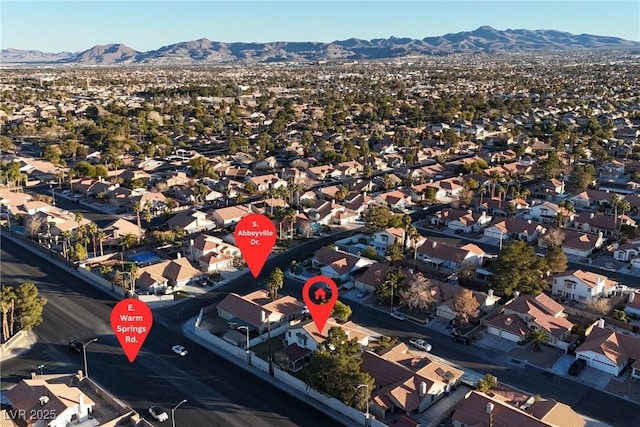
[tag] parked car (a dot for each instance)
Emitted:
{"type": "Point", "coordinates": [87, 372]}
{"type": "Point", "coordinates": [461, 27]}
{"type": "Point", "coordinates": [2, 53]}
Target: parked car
{"type": "Point", "coordinates": [158, 413]}
{"type": "Point", "coordinates": [609, 267]}
{"type": "Point", "coordinates": [75, 345]}
{"type": "Point", "coordinates": [180, 350]}
{"type": "Point", "coordinates": [577, 367]}
{"type": "Point", "coordinates": [462, 339]}
{"type": "Point", "coordinates": [420, 344]}
{"type": "Point", "coordinates": [397, 315]}
{"type": "Point", "coordinates": [363, 293]}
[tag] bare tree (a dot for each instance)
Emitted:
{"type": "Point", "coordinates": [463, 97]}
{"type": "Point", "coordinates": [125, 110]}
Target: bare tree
{"type": "Point", "coordinates": [465, 305]}
{"type": "Point", "coordinates": [419, 293]}
{"type": "Point", "coordinates": [554, 237]}
{"type": "Point", "coordinates": [33, 224]}
{"type": "Point", "coordinates": [599, 306]}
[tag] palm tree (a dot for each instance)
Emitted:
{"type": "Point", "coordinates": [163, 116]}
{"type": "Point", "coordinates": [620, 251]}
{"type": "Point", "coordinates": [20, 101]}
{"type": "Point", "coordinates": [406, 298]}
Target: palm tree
{"type": "Point", "coordinates": [625, 206]}
{"type": "Point", "coordinates": [483, 191]}
{"type": "Point", "coordinates": [66, 237]}
{"type": "Point", "coordinates": [291, 217]}
{"type": "Point", "coordinates": [406, 223]}
{"type": "Point", "coordinates": [101, 235]}
{"type": "Point", "coordinates": [538, 337]}
{"type": "Point", "coordinates": [128, 241]}
{"type": "Point", "coordinates": [137, 208]}
{"type": "Point", "coordinates": [92, 228]}
{"type": "Point", "coordinates": [147, 212]}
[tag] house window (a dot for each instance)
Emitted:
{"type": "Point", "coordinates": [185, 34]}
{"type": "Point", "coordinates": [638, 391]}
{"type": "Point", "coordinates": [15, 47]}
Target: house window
{"type": "Point", "coordinates": [569, 284]}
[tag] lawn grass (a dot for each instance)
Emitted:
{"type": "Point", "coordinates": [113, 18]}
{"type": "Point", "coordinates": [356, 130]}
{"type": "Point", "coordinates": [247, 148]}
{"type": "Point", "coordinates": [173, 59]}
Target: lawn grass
{"type": "Point", "coordinates": [262, 350]}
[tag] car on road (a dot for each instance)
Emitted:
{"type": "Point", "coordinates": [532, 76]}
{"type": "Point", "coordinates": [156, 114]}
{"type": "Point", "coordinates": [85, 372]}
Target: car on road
{"type": "Point", "coordinates": [158, 413]}
{"type": "Point", "coordinates": [420, 344]}
{"type": "Point", "coordinates": [66, 192]}
{"type": "Point", "coordinates": [75, 345]}
{"type": "Point", "coordinates": [609, 267]}
{"type": "Point", "coordinates": [397, 315]}
{"type": "Point", "coordinates": [577, 367]}
{"type": "Point", "coordinates": [363, 293]}
{"type": "Point", "coordinates": [179, 350]}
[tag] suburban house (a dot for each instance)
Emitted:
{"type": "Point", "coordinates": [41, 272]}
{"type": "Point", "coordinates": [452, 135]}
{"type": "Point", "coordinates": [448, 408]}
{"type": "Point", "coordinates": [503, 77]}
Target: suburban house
{"type": "Point", "coordinates": [322, 212]}
{"type": "Point", "coordinates": [495, 409]}
{"type": "Point", "coordinates": [627, 252]}
{"type": "Point", "coordinates": [581, 286]}
{"type": "Point", "coordinates": [121, 227]}
{"type": "Point", "coordinates": [514, 228]}
{"type": "Point", "coordinates": [591, 198]}
{"type": "Point", "coordinates": [548, 213]}
{"type": "Point", "coordinates": [405, 383]}
{"type": "Point", "coordinates": [173, 273]}
{"type": "Point", "coordinates": [444, 256]}
{"type": "Point", "coordinates": [457, 219]}
{"type": "Point", "coordinates": [382, 240]}
{"type": "Point", "coordinates": [337, 264]}
{"type": "Point", "coordinates": [257, 311]}
{"type": "Point", "coordinates": [266, 182]}
{"type": "Point", "coordinates": [191, 221]}
{"type": "Point", "coordinates": [633, 304]}
{"type": "Point", "coordinates": [610, 351]}
{"type": "Point", "coordinates": [211, 253]}
{"type": "Point", "coordinates": [229, 216]}
{"type": "Point", "coordinates": [597, 223]}
{"type": "Point", "coordinates": [579, 243]}
{"type": "Point", "coordinates": [372, 276]}
{"type": "Point", "coordinates": [306, 334]}
{"type": "Point", "coordinates": [394, 199]}
{"type": "Point", "coordinates": [65, 403]}
{"type": "Point", "coordinates": [526, 312]}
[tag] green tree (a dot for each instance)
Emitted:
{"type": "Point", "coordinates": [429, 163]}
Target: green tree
{"type": "Point", "coordinates": [487, 383]}
{"type": "Point", "coordinates": [275, 283]}
{"type": "Point", "coordinates": [335, 370]}
{"type": "Point", "coordinates": [79, 252]}
{"type": "Point", "coordinates": [538, 337]}
{"type": "Point", "coordinates": [518, 268]}
{"type": "Point", "coordinates": [377, 217]}
{"type": "Point", "coordinates": [394, 252]}
{"type": "Point", "coordinates": [341, 311]}
{"type": "Point", "coordinates": [29, 305]}
{"type": "Point", "coordinates": [556, 260]}
{"type": "Point", "coordinates": [128, 241]}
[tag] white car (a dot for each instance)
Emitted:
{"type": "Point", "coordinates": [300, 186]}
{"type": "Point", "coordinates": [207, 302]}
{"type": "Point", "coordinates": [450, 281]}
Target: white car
{"type": "Point", "coordinates": [397, 315]}
{"type": "Point", "coordinates": [420, 344]}
{"type": "Point", "coordinates": [158, 414]}
{"type": "Point", "coordinates": [609, 267]}
{"type": "Point", "coordinates": [179, 350]}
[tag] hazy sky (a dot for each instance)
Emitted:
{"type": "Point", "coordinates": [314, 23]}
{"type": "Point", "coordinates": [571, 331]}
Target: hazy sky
{"type": "Point", "coordinates": [54, 26]}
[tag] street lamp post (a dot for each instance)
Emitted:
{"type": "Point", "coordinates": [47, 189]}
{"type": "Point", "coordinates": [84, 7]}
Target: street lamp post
{"type": "Point", "coordinates": [53, 195]}
{"type": "Point", "coordinates": [41, 367]}
{"type": "Point", "coordinates": [173, 413]}
{"type": "Point", "coordinates": [246, 328]}
{"type": "Point", "coordinates": [366, 415]}
{"type": "Point", "coordinates": [84, 352]}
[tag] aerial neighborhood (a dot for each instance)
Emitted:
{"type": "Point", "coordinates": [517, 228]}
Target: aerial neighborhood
{"type": "Point", "coordinates": [473, 230]}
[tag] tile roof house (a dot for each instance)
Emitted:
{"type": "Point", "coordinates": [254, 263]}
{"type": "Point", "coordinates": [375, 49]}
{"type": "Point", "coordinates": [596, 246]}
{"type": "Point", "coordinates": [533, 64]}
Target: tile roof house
{"type": "Point", "coordinates": [526, 312]}
{"type": "Point", "coordinates": [372, 276]}
{"type": "Point", "coordinates": [444, 256]}
{"type": "Point", "coordinates": [337, 264]}
{"type": "Point", "coordinates": [457, 219]}
{"type": "Point", "coordinates": [394, 199]}
{"type": "Point", "coordinates": [610, 351]}
{"type": "Point", "coordinates": [229, 216]}
{"type": "Point", "coordinates": [405, 383]}
{"type": "Point", "coordinates": [581, 286]}
{"type": "Point", "coordinates": [211, 253]}
{"type": "Point", "coordinates": [257, 311]}
{"type": "Point", "coordinates": [514, 228]}
{"type": "Point", "coordinates": [65, 403]}
{"type": "Point", "coordinates": [306, 334]}
{"type": "Point", "coordinates": [175, 273]}
{"type": "Point", "coordinates": [384, 239]}
{"type": "Point", "coordinates": [597, 223]}
{"type": "Point", "coordinates": [480, 409]}
{"type": "Point", "coordinates": [633, 304]}
{"type": "Point", "coordinates": [191, 221]}
{"type": "Point", "coordinates": [445, 294]}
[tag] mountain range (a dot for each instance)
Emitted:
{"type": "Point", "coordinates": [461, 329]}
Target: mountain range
{"type": "Point", "coordinates": [203, 51]}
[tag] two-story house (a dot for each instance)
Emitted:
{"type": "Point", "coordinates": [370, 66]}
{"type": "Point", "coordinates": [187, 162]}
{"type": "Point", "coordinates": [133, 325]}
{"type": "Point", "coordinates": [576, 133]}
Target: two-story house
{"type": "Point", "coordinates": [211, 253]}
{"type": "Point", "coordinates": [457, 219]}
{"type": "Point", "coordinates": [581, 286]}
{"type": "Point", "coordinates": [526, 312]}
{"type": "Point", "coordinates": [337, 264]}
{"type": "Point", "coordinates": [514, 228]}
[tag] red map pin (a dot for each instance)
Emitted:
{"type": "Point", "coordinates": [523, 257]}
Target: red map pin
{"type": "Point", "coordinates": [255, 236]}
{"type": "Point", "coordinates": [131, 321]}
{"type": "Point", "coordinates": [318, 300]}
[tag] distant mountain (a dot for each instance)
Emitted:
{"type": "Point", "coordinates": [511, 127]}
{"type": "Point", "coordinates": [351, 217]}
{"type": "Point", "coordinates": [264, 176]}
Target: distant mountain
{"type": "Point", "coordinates": [203, 51]}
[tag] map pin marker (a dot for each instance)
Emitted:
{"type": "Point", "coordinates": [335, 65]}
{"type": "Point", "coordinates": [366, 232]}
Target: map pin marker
{"type": "Point", "coordinates": [255, 235]}
{"type": "Point", "coordinates": [319, 302]}
{"type": "Point", "coordinates": [131, 321]}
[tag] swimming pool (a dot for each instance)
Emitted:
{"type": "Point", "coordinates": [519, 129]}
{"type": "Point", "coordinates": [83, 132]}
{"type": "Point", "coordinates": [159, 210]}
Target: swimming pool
{"type": "Point", "coordinates": [145, 258]}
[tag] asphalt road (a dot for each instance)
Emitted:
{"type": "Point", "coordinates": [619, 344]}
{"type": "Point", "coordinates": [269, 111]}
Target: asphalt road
{"type": "Point", "coordinates": [218, 392]}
